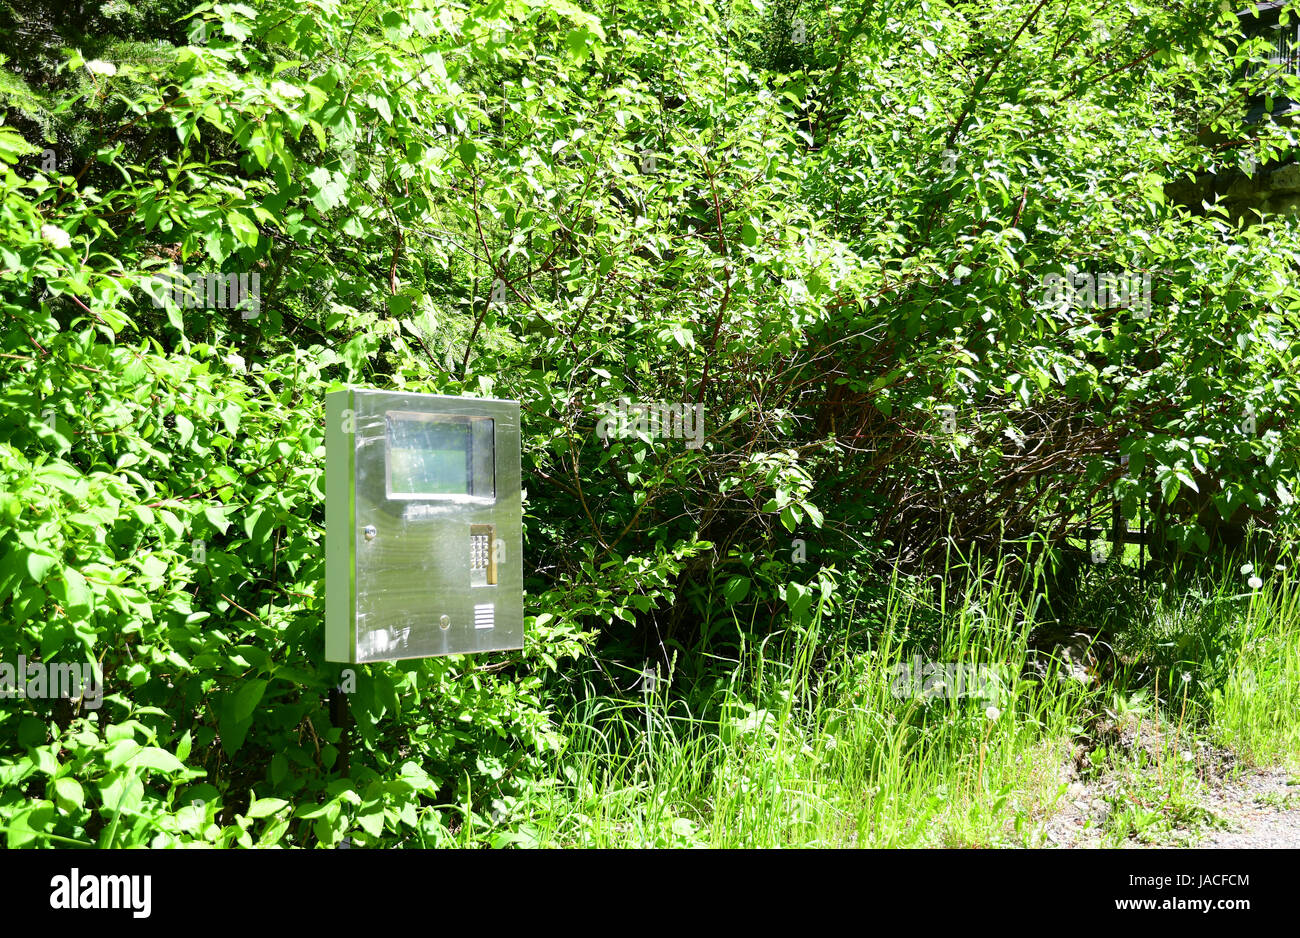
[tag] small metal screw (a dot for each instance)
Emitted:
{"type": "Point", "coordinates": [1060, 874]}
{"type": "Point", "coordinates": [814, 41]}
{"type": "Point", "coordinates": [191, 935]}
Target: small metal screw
{"type": "Point", "coordinates": [444, 622]}
{"type": "Point", "coordinates": [369, 531]}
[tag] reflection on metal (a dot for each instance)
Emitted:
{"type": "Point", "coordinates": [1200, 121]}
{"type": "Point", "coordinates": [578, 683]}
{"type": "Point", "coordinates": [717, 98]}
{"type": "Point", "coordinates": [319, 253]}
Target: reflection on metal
{"type": "Point", "coordinates": [423, 526]}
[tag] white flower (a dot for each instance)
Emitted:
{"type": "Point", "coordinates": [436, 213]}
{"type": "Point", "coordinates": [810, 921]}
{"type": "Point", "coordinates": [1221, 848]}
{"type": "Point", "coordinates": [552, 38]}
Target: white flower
{"type": "Point", "coordinates": [993, 713]}
{"type": "Point", "coordinates": [56, 236]}
{"type": "Point", "coordinates": [1254, 582]}
{"type": "Point", "coordinates": [100, 67]}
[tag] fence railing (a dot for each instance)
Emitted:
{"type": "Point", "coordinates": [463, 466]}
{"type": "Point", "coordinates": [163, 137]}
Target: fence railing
{"type": "Point", "coordinates": [1264, 19]}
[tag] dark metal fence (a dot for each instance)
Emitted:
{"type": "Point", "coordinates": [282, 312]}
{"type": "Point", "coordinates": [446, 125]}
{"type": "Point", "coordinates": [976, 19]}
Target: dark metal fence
{"type": "Point", "coordinates": [1264, 20]}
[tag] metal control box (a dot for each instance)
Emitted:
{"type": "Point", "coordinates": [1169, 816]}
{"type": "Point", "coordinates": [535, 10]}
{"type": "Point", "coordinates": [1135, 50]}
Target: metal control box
{"type": "Point", "coordinates": [423, 526]}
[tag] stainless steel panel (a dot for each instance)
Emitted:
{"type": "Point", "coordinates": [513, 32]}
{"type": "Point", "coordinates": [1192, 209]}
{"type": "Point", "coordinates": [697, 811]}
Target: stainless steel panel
{"type": "Point", "coordinates": [421, 584]}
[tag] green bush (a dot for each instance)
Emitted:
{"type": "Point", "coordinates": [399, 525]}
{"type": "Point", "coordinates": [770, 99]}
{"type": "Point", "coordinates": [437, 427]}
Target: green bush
{"type": "Point", "coordinates": [832, 244]}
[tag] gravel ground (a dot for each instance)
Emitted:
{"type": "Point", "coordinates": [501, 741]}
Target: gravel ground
{"type": "Point", "coordinates": [1242, 808]}
{"type": "Point", "coordinates": [1263, 809]}
{"type": "Point", "coordinates": [1258, 810]}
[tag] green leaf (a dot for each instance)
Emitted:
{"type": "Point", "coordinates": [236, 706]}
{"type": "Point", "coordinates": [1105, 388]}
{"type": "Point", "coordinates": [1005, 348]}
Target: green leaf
{"type": "Point", "coordinates": [120, 753]}
{"type": "Point", "coordinates": [247, 698]}
{"type": "Point", "coordinates": [330, 188]}
{"type": "Point", "coordinates": [230, 417]}
{"type": "Point", "coordinates": [183, 746]}
{"type": "Point", "coordinates": [73, 591]}
{"type": "Point", "coordinates": [217, 516]}
{"type": "Point", "coordinates": [68, 793]}
{"type": "Point", "coordinates": [13, 146]}
{"type": "Point", "coordinates": [39, 564]}
{"type": "Point", "coordinates": [122, 793]}
{"type": "Point", "coordinates": [372, 821]}
{"type": "Point", "coordinates": [151, 757]}
{"type": "Point", "coordinates": [736, 589]}
{"type": "Point", "coordinates": [576, 42]}
{"type": "Point", "coordinates": [243, 227]}
{"type": "Point", "coordinates": [264, 807]}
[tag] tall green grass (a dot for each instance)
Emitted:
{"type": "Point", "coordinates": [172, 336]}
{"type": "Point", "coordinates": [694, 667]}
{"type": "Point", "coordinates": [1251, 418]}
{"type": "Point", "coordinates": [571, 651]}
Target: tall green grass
{"type": "Point", "coordinates": [808, 739]}
{"type": "Point", "coordinates": [1256, 710]}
